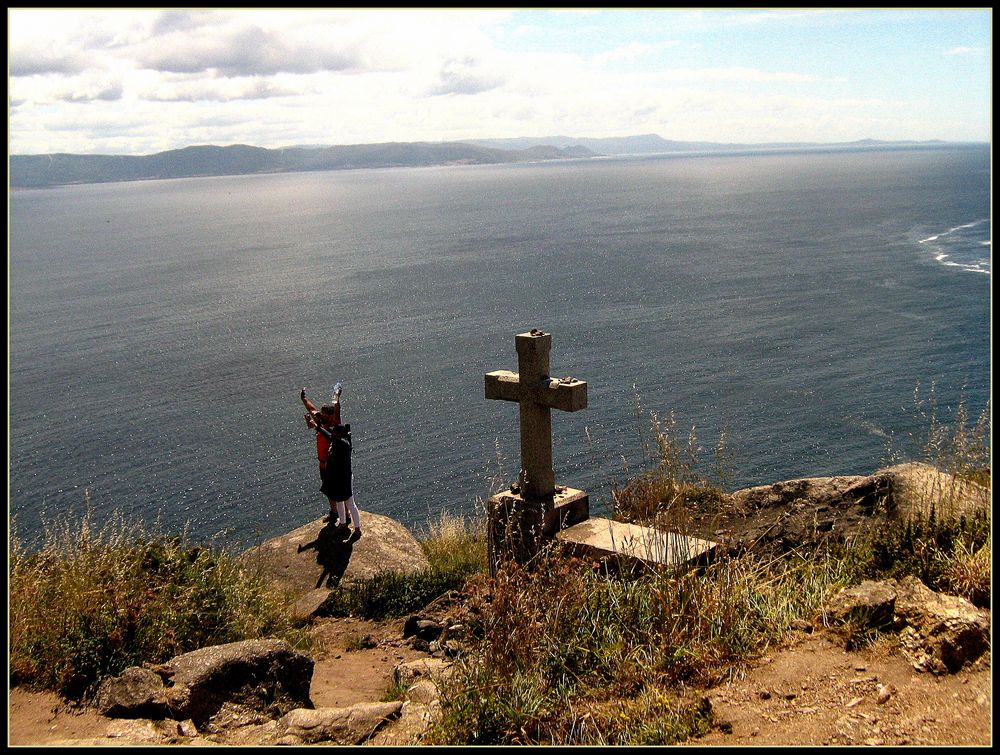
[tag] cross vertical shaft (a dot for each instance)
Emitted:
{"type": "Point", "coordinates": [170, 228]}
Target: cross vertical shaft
{"type": "Point", "coordinates": [537, 476]}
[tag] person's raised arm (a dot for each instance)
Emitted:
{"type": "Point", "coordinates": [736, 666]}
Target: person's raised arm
{"type": "Point", "coordinates": [309, 405]}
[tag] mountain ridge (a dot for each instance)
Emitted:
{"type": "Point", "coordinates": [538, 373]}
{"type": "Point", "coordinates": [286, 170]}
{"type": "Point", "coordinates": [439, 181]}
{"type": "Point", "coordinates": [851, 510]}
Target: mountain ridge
{"type": "Point", "coordinates": [59, 169]}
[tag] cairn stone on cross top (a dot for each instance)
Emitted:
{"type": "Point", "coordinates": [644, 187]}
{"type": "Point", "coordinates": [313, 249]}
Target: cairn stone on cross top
{"type": "Point", "coordinates": [534, 508]}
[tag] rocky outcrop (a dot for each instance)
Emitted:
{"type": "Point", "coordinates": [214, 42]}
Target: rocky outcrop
{"type": "Point", "coordinates": [941, 633]}
{"type": "Point", "coordinates": [216, 687]}
{"type": "Point", "coordinates": [259, 675]}
{"type": "Point", "coordinates": [816, 511]}
{"type": "Point", "coordinates": [316, 558]}
{"type": "Point", "coordinates": [938, 633]}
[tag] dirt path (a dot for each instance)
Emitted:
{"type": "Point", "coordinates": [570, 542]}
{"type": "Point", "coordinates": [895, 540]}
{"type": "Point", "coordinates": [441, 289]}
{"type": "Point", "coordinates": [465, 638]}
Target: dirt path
{"type": "Point", "coordinates": [811, 692]}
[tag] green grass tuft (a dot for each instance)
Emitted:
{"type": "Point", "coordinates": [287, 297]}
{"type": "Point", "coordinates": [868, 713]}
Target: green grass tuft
{"type": "Point", "coordinates": [92, 602]}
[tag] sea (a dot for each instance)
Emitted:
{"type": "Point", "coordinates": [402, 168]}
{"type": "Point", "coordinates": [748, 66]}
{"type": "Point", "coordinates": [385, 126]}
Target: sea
{"type": "Point", "coordinates": [803, 309]}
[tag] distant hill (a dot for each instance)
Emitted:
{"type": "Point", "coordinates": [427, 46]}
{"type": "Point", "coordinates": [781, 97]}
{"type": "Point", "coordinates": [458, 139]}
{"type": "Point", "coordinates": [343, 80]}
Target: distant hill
{"type": "Point", "coordinates": [36, 171]}
{"type": "Point", "coordinates": [649, 144]}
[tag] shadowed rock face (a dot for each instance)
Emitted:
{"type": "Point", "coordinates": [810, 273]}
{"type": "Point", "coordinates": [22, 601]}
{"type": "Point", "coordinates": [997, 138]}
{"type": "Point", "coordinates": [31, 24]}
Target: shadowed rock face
{"type": "Point", "coordinates": [265, 675]}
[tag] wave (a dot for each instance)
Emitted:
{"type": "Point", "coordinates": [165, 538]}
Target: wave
{"type": "Point", "coordinates": [958, 248]}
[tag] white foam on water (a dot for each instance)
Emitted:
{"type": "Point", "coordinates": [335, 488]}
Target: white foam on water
{"type": "Point", "coordinates": [953, 241]}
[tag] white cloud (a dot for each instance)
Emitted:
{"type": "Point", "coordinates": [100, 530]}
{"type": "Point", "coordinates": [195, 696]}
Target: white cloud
{"type": "Point", "coordinates": [633, 51]}
{"type": "Point", "coordinates": [733, 73]}
{"type": "Point", "coordinates": [244, 51]}
{"type": "Point", "coordinates": [465, 77]}
{"type": "Point", "coordinates": [220, 90]}
{"type": "Point", "coordinates": [139, 81]}
{"type": "Point", "coordinates": [974, 51]}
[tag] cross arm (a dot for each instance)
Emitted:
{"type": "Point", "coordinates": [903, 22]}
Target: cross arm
{"type": "Point", "coordinates": [566, 394]}
{"type": "Point", "coordinates": [503, 385]}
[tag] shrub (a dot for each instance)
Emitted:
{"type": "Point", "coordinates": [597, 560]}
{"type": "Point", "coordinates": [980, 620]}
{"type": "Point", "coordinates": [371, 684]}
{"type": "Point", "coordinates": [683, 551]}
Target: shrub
{"type": "Point", "coordinates": [92, 602]}
{"type": "Point", "coordinates": [943, 551]}
{"type": "Point", "coordinates": [558, 642]}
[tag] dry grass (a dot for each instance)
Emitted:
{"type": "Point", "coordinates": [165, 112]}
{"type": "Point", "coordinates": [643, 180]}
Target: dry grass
{"type": "Point", "coordinates": [94, 600]}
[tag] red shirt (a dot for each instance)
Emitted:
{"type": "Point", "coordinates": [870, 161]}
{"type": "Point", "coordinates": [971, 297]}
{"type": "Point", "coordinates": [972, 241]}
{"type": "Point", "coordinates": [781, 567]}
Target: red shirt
{"type": "Point", "coordinates": [322, 446]}
{"type": "Point", "coordinates": [322, 442]}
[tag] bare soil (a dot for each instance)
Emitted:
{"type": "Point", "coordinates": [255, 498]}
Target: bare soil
{"type": "Point", "coordinates": [809, 692]}
{"type": "Point", "coordinates": [813, 692]}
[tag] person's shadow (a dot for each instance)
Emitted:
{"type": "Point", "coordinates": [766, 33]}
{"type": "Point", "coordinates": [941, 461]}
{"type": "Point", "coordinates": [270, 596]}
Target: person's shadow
{"type": "Point", "coordinates": [333, 548]}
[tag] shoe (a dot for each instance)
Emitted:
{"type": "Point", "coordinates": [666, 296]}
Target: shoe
{"type": "Point", "coordinates": [356, 535]}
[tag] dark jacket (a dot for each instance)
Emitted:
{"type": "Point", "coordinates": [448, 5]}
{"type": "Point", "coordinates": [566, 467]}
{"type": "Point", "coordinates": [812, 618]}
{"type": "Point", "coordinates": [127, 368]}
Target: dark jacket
{"type": "Point", "coordinates": [337, 474]}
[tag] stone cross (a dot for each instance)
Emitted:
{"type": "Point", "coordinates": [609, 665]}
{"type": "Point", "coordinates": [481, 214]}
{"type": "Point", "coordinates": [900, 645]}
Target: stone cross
{"type": "Point", "coordinates": [537, 395]}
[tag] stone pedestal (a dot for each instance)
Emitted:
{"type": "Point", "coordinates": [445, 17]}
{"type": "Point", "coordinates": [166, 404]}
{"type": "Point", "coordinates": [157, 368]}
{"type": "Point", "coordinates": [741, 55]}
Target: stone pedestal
{"type": "Point", "coordinates": [519, 525]}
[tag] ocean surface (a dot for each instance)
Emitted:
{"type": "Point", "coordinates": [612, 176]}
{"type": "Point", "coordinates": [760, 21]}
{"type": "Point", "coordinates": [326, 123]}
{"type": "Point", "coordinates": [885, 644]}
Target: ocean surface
{"type": "Point", "coordinates": [159, 332]}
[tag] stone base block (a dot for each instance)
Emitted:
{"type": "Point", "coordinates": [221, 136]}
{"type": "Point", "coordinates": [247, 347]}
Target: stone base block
{"type": "Point", "coordinates": [518, 526]}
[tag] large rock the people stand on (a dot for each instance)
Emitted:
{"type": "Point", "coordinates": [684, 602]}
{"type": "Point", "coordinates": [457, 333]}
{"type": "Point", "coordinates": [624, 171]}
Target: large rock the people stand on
{"type": "Point", "coordinates": [315, 559]}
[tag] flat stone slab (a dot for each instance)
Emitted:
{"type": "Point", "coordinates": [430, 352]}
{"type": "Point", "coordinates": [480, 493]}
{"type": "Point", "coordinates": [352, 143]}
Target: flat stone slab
{"type": "Point", "coordinates": [605, 539]}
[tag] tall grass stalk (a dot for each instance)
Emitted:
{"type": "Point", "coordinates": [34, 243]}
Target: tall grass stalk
{"type": "Point", "coordinates": [958, 446]}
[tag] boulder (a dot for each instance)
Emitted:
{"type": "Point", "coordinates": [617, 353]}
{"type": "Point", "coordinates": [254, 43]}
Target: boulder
{"type": "Point", "coordinates": [234, 680]}
{"type": "Point", "coordinates": [939, 633]}
{"type": "Point", "coordinates": [314, 559]}
{"type": "Point", "coordinates": [870, 605]}
{"type": "Point", "coordinates": [353, 725]}
{"type": "Point", "coordinates": [918, 486]}
{"type": "Point", "coordinates": [135, 693]}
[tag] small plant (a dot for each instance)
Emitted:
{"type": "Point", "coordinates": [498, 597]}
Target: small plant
{"type": "Point", "coordinates": [667, 494]}
{"type": "Point", "coordinates": [966, 572]}
{"type": "Point", "coordinates": [455, 545]}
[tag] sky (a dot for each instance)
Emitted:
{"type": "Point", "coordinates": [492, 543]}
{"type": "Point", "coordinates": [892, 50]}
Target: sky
{"type": "Point", "coordinates": [139, 81]}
